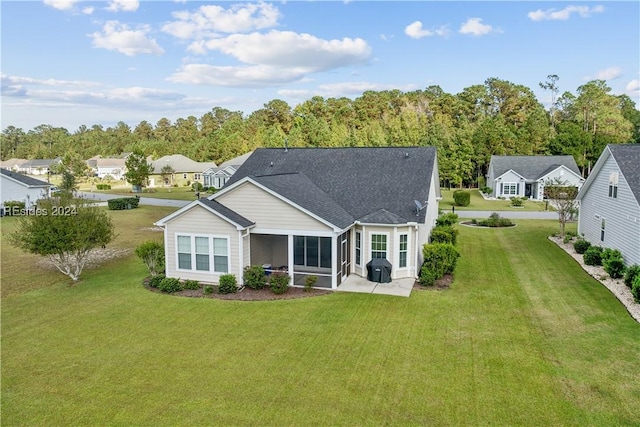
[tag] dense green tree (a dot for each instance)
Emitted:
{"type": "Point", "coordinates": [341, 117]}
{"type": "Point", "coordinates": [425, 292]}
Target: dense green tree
{"type": "Point", "coordinates": [138, 169]}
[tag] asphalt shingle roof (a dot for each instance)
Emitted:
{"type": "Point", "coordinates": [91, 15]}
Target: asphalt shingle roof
{"type": "Point", "coordinates": [26, 180]}
{"type": "Point", "coordinates": [342, 185]}
{"type": "Point", "coordinates": [627, 156]}
{"type": "Point", "coordinates": [227, 213]}
{"type": "Point", "coordinates": [532, 167]}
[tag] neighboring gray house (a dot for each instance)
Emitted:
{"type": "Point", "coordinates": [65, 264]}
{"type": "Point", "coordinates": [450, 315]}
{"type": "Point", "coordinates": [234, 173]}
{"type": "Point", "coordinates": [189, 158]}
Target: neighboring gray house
{"type": "Point", "coordinates": [525, 176]}
{"type": "Point", "coordinates": [18, 187]}
{"type": "Point", "coordinates": [218, 177]}
{"type": "Point", "coordinates": [324, 212]}
{"type": "Point", "coordinates": [610, 202]}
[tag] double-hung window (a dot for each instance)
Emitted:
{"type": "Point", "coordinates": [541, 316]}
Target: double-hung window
{"type": "Point", "coordinates": [358, 248]}
{"type": "Point", "coordinates": [378, 246]}
{"type": "Point", "coordinates": [203, 253]}
{"type": "Point", "coordinates": [613, 185]}
{"type": "Point", "coordinates": [404, 243]}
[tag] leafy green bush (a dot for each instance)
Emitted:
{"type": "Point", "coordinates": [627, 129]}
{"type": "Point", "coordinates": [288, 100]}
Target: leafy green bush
{"type": "Point", "coordinates": [170, 285]}
{"type": "Point", "coordinates": [196, 186]}
{"type": "Point", "coordinates": [154, 282]}
{"type": "Point", "coordinates": [309, 283]}
{"type": "Point", "coordinates": [630, 275]}
{"type": "Point", "coordinates": [192, 285]}
{"type": "Point", "coordinates": [581, 246]}
{"type": "Point", "coordinates": [461, 198]}
{"type": "Point", "coordinates": [253, 277]}
{"type": "Point", "coordinates": [103, 186]}
{"type": "Point", "coordinates": [608, 253]}
{"type": "Point", "coordinates": [152, 254]}
{"type": "Point", "coordinates": [123, 203]}
{"type": "Point", "coordinates": [495, 220]}
{"type": "Point", "coordinates": [614, 267]}
{"type": "Point", "coordinates": [593, 255]}
{"type": "Point", "coordinates": [635, 289]}
{"type": "Point", "coordinates": [208, 289]}
{"type": "Point", "coordinates": [566, 239]}
{"type": "Point", "coordinates": [486, 190]}
{"type": "Point", "coordinates": [447, 219]}
{"type": "Point", "coordinates": [279, 282]}
{"type": "Point", "coordinates": [517, 202]}
{"type": "Point", "coordinates": [444, 234]}
{"type": "Point", "coordinates": [228, 284]}
{"type": "Point", "coordinates": [14, 208]}
{"type": "Point", "coordinates": [439, 259]}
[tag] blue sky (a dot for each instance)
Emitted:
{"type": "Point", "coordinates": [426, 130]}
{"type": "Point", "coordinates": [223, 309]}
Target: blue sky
{"type": "Point", "coordinates": [69, 62]}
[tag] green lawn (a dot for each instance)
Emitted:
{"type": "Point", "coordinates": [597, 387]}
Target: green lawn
{"type": "Point", "coordinates": [177, 193]}
{"type": "Point", "coordinates": [478, 203]}
{"type": "Point", "coordinates": [523, 337]}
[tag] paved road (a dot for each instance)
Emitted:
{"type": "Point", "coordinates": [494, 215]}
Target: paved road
{"type": "Point", "coordinates": [514, 214]}
{"type": "Point", "coordinates": [143, 200]}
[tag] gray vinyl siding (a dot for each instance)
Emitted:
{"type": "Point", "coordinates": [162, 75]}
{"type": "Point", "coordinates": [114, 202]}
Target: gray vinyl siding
{"type": "Point", "coordinates": [622, 214]}
{"type": "Point", "coordinates": [12, 191]}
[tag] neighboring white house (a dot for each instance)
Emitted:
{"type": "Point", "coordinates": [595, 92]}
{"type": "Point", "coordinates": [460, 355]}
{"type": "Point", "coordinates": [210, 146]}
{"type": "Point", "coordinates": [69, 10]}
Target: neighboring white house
{"type": "Point", "coordinates": [610, 202]}
{"type": "Point", "coordinates": [14, 164]}
{"type": "Point", "coordinates": [110, 167]}
{"type": "Point", "coordinates": [18, 187]}
{"type": "Point", "coordinates": [325, 212]}
{"type": "Point", "coordinates": [218, 177]}
{"type": "Point", "coordinates": [525, 176]}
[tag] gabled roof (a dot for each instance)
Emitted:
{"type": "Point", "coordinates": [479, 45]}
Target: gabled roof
{"type": "Point", "coordinates": [215, 208]}
{"type": "Point", "coordinates": [531, 167]}
{"type": "Point", "coordinates": [343, 185]}
{"type": "Point", "coordinates": [110, 163]}
{"type": "Point", "coordinates": [27, 181]}
{"type": "Point", "coordinates": [180, 164]}
{"type": "Point", "coordinates": [236, 161]}
{"type": "Point", "coordinates": [40, 163]}
{"type": "Point", "coordinates": [8, 164]}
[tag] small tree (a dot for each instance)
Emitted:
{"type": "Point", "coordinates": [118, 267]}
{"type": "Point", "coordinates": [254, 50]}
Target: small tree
{"type": "Point", "coordinates": [64, 232]}
{"type": "Point", "coordinates": [152, 254]}
{"type": "Point", "coordinates": [167, 174]}
{"type": "Point", "coordinates": [563, 197]}
{"type": "Point", "coordinates": [138, 170]}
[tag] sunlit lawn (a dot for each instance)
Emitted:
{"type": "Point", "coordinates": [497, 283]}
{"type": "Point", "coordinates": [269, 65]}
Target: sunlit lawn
{"type": "Point", "coordinates": [523, 337]}
{"type": "Point", "coordinates": [478, 203]}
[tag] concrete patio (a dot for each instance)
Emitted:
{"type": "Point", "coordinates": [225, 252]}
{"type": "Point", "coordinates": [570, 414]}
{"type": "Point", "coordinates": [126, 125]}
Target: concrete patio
{"type": "Point", "coordinates": [398, 287]}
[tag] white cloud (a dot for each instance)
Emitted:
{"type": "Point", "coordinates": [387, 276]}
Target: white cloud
{"type": "Point", "coordinates": [228, 76]}
{"type": "Point", "coordinates": [123, 5]}
{"type": "Point", "coordinates": [610, 73]}
{"type": "Point", "coordinates": [336, 90]}
{"type": "Point", "coordinates": [288, 50]}
{"type": "Point", "coordinates": [18, 80]}
{"type": "Point", "coordinates": [88, 10]}
{"type": "Point", "coordinates": [475, 27]}
{"type": "Point", "coordinates": [61, 4]}
{"type": "Point", "coordinates": [415, 31]}
{"type": "Point", "coordinates": [119, 37]}
{"type": "Point", "coordinates": [633, 86]}
{"type": "Point", "coordinates": [209, 20]}
{"type": "Point", "coordinates": [564, 14]}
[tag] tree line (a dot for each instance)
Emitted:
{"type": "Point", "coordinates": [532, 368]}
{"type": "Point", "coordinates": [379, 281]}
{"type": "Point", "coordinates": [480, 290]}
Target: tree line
{"type": "Point", "coordinates": [497, 117]}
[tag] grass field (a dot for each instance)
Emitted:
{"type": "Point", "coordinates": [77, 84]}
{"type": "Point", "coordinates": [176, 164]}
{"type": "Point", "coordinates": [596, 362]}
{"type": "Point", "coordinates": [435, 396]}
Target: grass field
{"type": "Point", "coordinates": [523, 337]}
{"type": "Point", "coordinates": [478, 203]}
{"type": "Point", "coordinates": [176, 193]}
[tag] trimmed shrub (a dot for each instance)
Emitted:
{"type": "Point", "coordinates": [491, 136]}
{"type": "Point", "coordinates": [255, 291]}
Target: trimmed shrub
{"type": "Point", "coordinates": [123, 203]}
{"type": "Point", "coordinates": [593, 255]}
{"type": "Point", "coordinates": [495, 220]}
{"type": "Point", "coordinates": [228, 284]}
{"type": "Point", "coordinates": [608, 253]}
{"type": "Point", "coordinates": [196, 186]}
{"type": "Point", "coordinates": [192, 285]}
{"type": "Point", "coordinates": [208, 289]}
{"type": "Point", "coordinates": [170, 285]}
{"type": "Point", "coordinates": [447, 219]}
{"type": "Point", "coordinates": [581, 246]}
{"type": "Point", "coordinates": [309, 283]}
{"type": "Point", "coordinates": [103, 186]}
{"type": "Point", "coordinates": [444, 234]}
{"type": "Point", "coordinates": [279, 282]}
{"type": "Point", "coordinates": [614, 267]}
{"type": "Point", "coordinates": [461, 198]}
{"type": "Point", "coordinates": [630, 275]}
{"type": "Point", "coordinates": [517, 202]}
{"type": "Point", "coordinates": [154, 282]}
{"type": "Point", "coordinates": [253, 277]}
{"type": "Point", "coordinates": [635, 289]}
{"type": "Point", "coordinates": [439, 259]}
{"type": "Point", "coordinates": [486, 190]}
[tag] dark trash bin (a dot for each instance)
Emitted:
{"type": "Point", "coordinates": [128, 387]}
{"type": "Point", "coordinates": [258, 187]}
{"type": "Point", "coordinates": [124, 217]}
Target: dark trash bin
{"type": "Point", "coordinates": [379, 270]}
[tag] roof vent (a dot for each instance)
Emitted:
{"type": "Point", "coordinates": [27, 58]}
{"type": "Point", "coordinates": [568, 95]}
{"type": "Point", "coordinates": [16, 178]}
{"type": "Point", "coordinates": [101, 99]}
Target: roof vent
{"type": "Point", "coordinates": [406, 155]}
{"type": "Point", "coordinates": [271, 165]}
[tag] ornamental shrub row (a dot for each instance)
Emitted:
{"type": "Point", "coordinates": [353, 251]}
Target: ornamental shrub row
{"type": "Point", "coordinates": [613, 263]}
{"type": "Point", "coordinates": [630, 275]}
{"type": "Point", "coordinates": [581, 246]}
{"type": "Point", "coordinates": [123, 203]}
{"type": "Point", "coordinates": [444, 234]}
{"type": "Point", "coordinates": [439, 259]}
{"type": "Point", "coordinates": [593, 256]}
{"type": "Point", "coordinates": [103, 186]}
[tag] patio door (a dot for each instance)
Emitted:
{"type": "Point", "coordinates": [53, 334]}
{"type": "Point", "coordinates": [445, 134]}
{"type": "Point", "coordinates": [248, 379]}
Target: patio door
{"type": "Point", "coordinates": [345, 256]}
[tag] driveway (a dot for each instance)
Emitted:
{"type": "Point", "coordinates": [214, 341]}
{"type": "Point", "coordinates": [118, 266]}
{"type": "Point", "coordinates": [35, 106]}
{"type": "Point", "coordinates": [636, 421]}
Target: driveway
{"type": "Point", "coordinates": [143, 200]}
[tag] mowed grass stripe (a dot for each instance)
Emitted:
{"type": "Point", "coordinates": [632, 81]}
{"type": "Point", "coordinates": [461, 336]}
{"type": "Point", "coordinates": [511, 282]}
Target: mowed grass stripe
{"type": "Point", "coordinates": [489, 351]}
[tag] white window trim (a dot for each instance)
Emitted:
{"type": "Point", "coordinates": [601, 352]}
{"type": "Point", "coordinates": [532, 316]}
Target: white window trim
{"type": "Point", "coordinates": [355, 243]}
{"type": "Point", "coordinates": [514, 184]}
{"type": "Point", "coordinates": [193, 269]}
{"type": "Point", "coordinates": [381, 233]}
{"type": "Point", "coordinates": [404, 233]}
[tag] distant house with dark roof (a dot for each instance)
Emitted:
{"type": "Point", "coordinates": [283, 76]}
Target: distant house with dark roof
{"type": "Point", "coordinates": [525, 176]}
{"type": "Point", "coordinates": [324, 212]}
{"type": "Point", "coordinates": [19, 187]}
{"type": "Point", "coordinates": [610, 202]}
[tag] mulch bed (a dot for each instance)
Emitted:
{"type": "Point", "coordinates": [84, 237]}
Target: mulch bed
{"type": "Point", "coordinates": [246, 294]}
{"type": "Point", "coordinates": [440, 285]}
